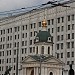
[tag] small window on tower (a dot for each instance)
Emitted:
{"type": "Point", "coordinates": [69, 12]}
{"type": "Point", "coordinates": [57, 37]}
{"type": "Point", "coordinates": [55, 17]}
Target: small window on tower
{"type": "Point", "coordinates": [49, 39]}
{"type": "Point", "coordinates": [37, 39]}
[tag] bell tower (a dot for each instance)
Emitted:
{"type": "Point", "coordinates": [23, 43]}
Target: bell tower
{"type": "Point", "coordinates": [43, 41]}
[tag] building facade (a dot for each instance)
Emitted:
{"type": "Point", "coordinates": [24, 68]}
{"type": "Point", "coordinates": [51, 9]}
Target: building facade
{"type": "Point", "coordinates": [19, 32]}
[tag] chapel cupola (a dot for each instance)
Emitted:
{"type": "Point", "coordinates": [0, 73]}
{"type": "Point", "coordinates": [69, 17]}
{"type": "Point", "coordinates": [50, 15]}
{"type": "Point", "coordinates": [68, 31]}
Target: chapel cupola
{"type": "Point", "coordinates": [43, 40]}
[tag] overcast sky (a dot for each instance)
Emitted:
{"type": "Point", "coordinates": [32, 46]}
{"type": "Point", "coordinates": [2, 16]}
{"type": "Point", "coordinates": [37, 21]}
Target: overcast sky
{"type": "Point", "coordinates": [6, 5]}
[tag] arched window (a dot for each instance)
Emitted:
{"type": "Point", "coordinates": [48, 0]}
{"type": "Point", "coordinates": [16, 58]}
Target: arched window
{"type": "Point", "coordinates": [48, 50]}
{"type": "Point", "coordinates": [51, 73]}
{"type": "Point", "coordinates": [37, 50]}
{"type": "Point", "coordinates": [42, 50]}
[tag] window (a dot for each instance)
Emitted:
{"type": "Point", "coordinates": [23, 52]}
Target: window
{"type": "Point", "coordinates": [15, 37]}
{"type": "Point", "coordinates": [58, 19]}
{"type": "Point", "coordinates": [34, 25]}
{"type": "Point", "coordinates": [72, 26]}
{"type": "Point", "coordinates": [37, 50]}
{"type": "Point", "coordinates": [30, 49]}
{"type": "Point", "coordinates": [62, 18]}
{"type": "Point", "coordinates": [62, 28]}
{"type": "Point", "coordinates": [68, 17]}
{"type": "Point", "coordinates": [68, 36]}
{"type": "Point", "coordinates": [48, 22]}
{"type": "Point", "coordinates": [58, 29]}
{"type": "Point", "coordinates": [57, 55]}
{"type": "Point", "coordinates": [22, 43]}
{"type": "Point", "coordinates": [39, 24]}
{"type": "Point", "coordinates": [42, 50]}
{"type": "Point", "coordinates": [31, 26]}
{"type": "Point", "coordinates": [61, 45]}
{"type": "Point", "coordinates": [22, 35]}
{"type": "Point", "coordinates": [72, 16]}
{"type": "Point", "coordinates": [58, 38]}
{"type": "Point", "coordinates": [52, 21]}
{"type": "Point", "coordinates": [52, 30]}
{"type": "Point", "coordinates": [33, 49]}
{"type": "Point", "coordinates": [26, 35]}
{"type": "Point", "coordinates": [68, 54]}
{"type": "Point", "coordinates": [22, 27]}
{"type": "Point", "coordinates": [30, 42]}
{"type": "Point", "coordinates": [72, 62]}
{"type": "Point", "coordinates": [61, 55]}
{"type": "Point", "coordinates": [72, 35]}
{"type": "Point", "coordinates": [61, 37]}
{"type": "Point", "coordinates": [48, 50]}
{"type": "Point", "coordinates": [72, 54]}
{"type": "Point", "coordinates": [30, 34]}
{"type": "Point", "coordinates": [18, 28]}
{"type": "Point", "coordinates": [14, 52]}
{"type": "Point", "coordinates": [48, 29]}
{"type": "Point", "coordinates": [68, 62]}
{"type": "Point", "coordinates": [51, 73]}
{"type": "Point", "coordinates": [26, 27]}
{"type": "Point", "coordinates": [7, 30]}
{"type": "Point", "coordinates": [68, 44]}
{"type": "Point", "coordinates": [22, 51]}
{"type": "Point", "coordinates": [57, 46]}
{"type": "Point", "coordinates": [10, 30]}
{"type": "Point", "coordinates": [68, 27]}
{"type": "Point", "coordinates": [26, 43]}
{"type": "Point", "coordinates": [15, 29]}
{"type": "Point", "coordinates": [72, 44]}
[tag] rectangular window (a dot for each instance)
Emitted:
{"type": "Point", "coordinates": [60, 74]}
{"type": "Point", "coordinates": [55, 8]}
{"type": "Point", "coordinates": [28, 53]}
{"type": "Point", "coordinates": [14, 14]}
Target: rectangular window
{"type": "Point", "coordinates": [68, 36]}
{"type": "Point", "coordinates": [68, 54]}
{"type": "Point", "coordinates": [22, 27]}
{"type": "Point", "coordinates": [39, 24]}
{"type": "Point", "coordinates": [68, 27]}
{"type": "Point", "coordinates": [58, 19]}
{"type": "Point", "coordinates": [72, 54]}
{"type": "Point", "coordinates": [30, 49]}
{"type": "Point", "coordinates": [72, 44]}
{"type": "Point", "coordinates": [62, 37]}
{"type": "Point", "coordinates": [52, 21]}
{"type": "Point", "coordinates": [72, 16]}
{"type": "Point", "coordinates": [72, 26]}
{"type": "Point", "coordinates": [30, 42]}
{"type": "Point", "coordinates": [62, 28]}
{"type": "Point", "coordinates": [22, 43]}
{"type": "Point", "coordinates": [61, 55]}
{"type": "Point", "coordinates": [62, 18]}
{"type": "Point", "coordinates": [48, 21]}
{"type": "Point", "coordinates": [68, 17]}
{"type": "Point", "coordinates": [31, 26]}
{"type": "Point", "coordinates": [52, 30]}
{"type": "Point", "coordinates": [68, 44]}
{"type": "Point", "coordinates": [58, 29]}
{"type": "Point", "coordinates": [61, 45]}
{"type": "Point", "coordinates": [57, 46]}
{"type": "Point", "coordinates": [58, 38]}
{"type": "Point", "coordinates": [26, 27]}
{"type": "Point", "coordinates": [72, 35]}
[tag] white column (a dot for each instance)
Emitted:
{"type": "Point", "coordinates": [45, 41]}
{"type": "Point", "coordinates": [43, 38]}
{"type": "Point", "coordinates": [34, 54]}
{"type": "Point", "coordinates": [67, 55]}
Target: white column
{"type": "Point", "coordinates": [37, 72]}
{"type": "Point", "coordinates": [39, 49]}
{"type": "Point", "coordinates": [60, 72]}
{"type": "Point", "coordinates": [42, 71]}
{"type": "Point", "coordinates": [46, 71]}
{"type": "Point", "coordinates": [34, 71]}
{"type": "Point", "coordinates": [24, 71]}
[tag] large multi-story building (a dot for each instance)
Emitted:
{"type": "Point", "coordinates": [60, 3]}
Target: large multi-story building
{"type": "Point", "coordinates": [19, 31]}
